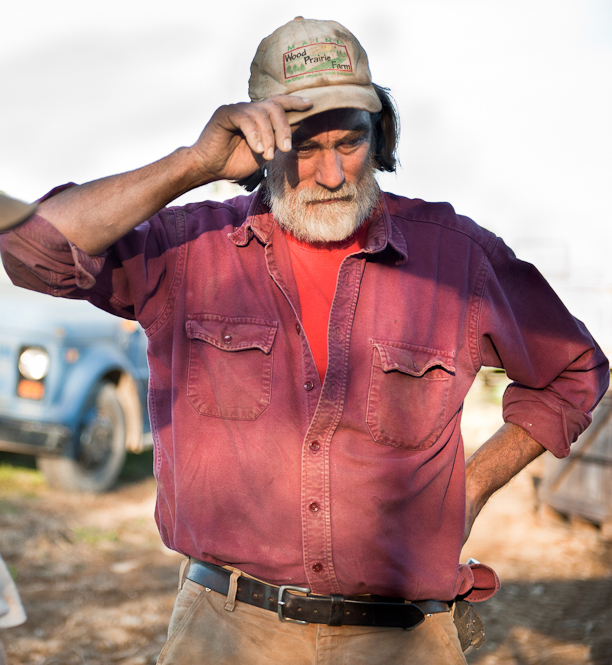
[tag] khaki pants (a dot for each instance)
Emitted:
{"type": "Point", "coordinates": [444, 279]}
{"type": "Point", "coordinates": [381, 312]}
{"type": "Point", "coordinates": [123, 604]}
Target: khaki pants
{"type": "Point", "coordinates": [205, 630]}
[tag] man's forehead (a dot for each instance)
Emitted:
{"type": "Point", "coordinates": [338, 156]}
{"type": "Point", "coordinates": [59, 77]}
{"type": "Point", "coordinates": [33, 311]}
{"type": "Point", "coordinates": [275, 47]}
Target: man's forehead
{"type": "Point", "coordinates": [335, 119]}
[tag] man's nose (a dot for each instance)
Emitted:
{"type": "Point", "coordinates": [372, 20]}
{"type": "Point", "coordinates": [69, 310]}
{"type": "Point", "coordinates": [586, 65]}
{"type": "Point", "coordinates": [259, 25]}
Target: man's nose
{"type": "Point", "coordinates": [329, 172]}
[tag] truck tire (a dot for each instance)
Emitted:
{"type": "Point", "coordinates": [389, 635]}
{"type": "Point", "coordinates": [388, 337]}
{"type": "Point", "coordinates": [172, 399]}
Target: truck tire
{"type": "Point", "coordinates": [100, 449]}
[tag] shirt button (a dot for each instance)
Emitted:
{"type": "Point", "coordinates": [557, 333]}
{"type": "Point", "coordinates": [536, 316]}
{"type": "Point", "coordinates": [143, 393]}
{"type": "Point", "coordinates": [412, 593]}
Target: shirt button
{"type": "Point", "coordinates": [314, 507]}
{"type": "Point", "coordinates": [309, 385]}
{"type": "Point", "coordinates": [298, 328]}
{"type": "Point", "coordinates": [315, 446]}
{"type": "Point", "coordinates": [227, 338]}
{"type": "Point", "coordinates": [317, 567]}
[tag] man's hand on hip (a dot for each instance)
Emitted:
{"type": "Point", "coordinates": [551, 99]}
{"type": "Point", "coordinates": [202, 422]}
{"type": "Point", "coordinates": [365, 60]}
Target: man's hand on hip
{"type": "Point", "coordinates": [493, 465]}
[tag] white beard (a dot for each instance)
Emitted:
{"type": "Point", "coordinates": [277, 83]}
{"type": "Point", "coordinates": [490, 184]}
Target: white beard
{"type": "Point", "coordinates": [300, 212]}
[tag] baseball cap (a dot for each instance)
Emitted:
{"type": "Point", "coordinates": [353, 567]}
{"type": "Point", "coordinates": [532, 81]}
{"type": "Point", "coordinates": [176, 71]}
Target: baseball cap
{"type": "Point", "coordinates": [320, 60]}
{"type": "Point", "coordinates": [14, 212]}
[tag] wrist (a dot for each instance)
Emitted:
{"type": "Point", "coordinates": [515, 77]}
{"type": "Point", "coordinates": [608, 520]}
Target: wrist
{"type": "Point", "coordinates": [193, 173]}
{"type": "Point", "coordinates": [477, 494]}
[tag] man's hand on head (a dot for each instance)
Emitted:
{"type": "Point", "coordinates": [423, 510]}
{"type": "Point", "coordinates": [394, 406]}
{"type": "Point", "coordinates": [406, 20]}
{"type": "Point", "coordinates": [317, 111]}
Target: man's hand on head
{"type": "Point", "coordinates": [239, 138]}
{"type": "Point", "coordinates": [235, 142]}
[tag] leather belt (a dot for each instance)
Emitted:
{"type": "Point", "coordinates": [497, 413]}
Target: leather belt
{"type": "Point", "coordinates": [295, 604]}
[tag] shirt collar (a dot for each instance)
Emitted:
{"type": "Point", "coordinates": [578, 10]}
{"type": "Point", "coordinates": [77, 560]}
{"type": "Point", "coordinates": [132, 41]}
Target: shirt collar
{"type": "Point", "coordinates": [382, 231]}
{"type": "Point", "coordinates": [258, 222]}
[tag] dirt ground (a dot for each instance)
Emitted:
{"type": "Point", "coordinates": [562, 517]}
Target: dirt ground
{"type": "Point", "coordinates": [98, 586]}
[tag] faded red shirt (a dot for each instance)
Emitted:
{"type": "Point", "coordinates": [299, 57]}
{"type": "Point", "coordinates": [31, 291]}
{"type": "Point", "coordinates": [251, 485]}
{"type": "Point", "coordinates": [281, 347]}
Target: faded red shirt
{"type": "Point", "coordinates": [357, 485]}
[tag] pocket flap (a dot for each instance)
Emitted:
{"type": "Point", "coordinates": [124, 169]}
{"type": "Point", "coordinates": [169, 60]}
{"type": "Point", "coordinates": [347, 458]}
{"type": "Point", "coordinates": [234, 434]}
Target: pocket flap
{"type": "Point", "coordinates": [412, 359]}
{"type": "Point", "coordinates": [232, 333]}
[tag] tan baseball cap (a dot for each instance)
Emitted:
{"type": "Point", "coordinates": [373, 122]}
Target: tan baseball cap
{"type": "Point", "coordinates": [14, 212]}
{"type": "Point", "coordinates": [320, 60]}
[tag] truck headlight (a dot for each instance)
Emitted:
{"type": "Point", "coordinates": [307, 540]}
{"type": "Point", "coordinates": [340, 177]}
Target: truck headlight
{"type": "Point", "coordinates": [34, 363]}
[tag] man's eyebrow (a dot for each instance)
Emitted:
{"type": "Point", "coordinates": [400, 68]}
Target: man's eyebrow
{"type": "Point", "coordinates": [362, 127]}
{"type": "Point", "coordinates": [355, 133]}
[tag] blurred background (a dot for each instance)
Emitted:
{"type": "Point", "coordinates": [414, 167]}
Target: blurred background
{"type": "Point", "coordinates": [505, 106]}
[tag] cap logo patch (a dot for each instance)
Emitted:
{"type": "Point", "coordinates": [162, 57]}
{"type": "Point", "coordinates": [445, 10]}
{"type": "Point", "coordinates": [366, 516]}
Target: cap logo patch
{"type": "Point", "coordinates": [316, 58]}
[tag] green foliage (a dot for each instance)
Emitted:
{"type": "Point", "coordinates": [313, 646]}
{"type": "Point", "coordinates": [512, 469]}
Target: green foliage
{"type": "Point", "coordinates": [92, 535]}
{"type": "Point", "coordinates": [19, 479]}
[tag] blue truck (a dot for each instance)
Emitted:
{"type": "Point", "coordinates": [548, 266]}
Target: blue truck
{"type": "Point", "coordinates": [73, 387]}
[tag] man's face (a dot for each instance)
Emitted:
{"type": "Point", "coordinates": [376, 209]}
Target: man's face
{"type": "Point", "coordinates": [324, 188]}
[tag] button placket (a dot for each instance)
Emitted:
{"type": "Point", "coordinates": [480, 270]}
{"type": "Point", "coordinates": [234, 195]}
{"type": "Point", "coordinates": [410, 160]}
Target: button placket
{"type": "Point", "coordinates": [316, 518]}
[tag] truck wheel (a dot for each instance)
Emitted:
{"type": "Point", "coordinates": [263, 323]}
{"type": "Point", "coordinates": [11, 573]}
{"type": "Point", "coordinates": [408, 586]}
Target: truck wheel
{"type": "Point", "coordinates": [100, 449]}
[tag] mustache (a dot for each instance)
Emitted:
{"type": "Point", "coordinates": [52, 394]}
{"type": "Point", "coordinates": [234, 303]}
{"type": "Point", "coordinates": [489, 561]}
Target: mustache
{"type": "Point", "coordinates": [331, 199]}
{"type": "Point", "coordinates": [345, 194]}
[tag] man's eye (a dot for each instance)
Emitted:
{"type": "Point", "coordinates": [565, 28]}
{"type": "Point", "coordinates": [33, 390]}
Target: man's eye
{"type": "Point", "coordinates": [350, 145]}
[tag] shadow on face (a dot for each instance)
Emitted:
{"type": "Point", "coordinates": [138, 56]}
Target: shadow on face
{"type": "Point", "coordinates": [329, 121]}
{"type": "Point", "coordinates": [324, 131]}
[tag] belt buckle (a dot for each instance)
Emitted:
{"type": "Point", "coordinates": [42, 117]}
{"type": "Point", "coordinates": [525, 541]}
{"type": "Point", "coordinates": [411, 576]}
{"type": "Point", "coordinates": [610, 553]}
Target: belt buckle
{"type": "Point", "coordinates": [281, 602]}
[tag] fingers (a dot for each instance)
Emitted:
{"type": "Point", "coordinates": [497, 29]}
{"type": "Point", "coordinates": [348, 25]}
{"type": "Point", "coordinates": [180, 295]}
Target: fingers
{"type": "Point", "coordinates": [264, 124]}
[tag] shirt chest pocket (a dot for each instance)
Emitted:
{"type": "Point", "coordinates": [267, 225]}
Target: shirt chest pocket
{"type": "Point", "coordinates": [230, 365]}
{"type": "Point", "coordinates": [409, 388]}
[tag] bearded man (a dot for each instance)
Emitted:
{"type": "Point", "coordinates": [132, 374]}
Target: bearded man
{"type": "Point", "coordinates": [310, 348]}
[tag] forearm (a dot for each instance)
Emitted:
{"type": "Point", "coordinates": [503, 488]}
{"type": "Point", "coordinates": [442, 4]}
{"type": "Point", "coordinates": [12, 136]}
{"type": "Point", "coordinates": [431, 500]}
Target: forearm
{"type": "Point", "coordinates": [237, 140]}
{"type": "Point", "coordinates": [94, 215]}
{"type": "Point", "coordinates": [494, 464]}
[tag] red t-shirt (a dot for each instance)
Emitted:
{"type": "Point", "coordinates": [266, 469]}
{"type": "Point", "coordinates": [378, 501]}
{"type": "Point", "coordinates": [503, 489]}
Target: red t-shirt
{"type": "Point", "coordinates": [316, 267]}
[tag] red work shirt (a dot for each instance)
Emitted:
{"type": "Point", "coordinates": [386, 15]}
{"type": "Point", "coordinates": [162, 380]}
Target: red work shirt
{"type": "Point", "coordinates": [357, 485]}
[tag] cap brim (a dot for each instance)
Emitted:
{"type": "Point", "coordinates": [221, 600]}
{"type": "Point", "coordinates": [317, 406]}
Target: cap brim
{"type": "Point", "coordinates": [330, 97]}
{"type": "Point", "coordinates": [14, 212]}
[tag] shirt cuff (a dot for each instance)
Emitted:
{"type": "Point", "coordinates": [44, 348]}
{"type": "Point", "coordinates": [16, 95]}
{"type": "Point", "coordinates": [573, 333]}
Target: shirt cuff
{"type": "Point", "coordinates": [476, 582]}
{"type": "Point", "coordinates": [70, 266]}
{"type": "Point", "coordinates": [553, 425]}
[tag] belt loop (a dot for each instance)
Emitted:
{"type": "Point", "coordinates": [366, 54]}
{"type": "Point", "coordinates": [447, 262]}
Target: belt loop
{"type": "Point", "coordinates": [182, 571]}
{"type": "Point", "coordinates": [336, 610]}
{"type": "Point", "coordinates": [231, 592]}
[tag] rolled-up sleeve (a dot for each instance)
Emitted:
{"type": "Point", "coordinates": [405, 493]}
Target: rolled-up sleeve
{"type": "Point", "coordinates": [558, 371]}
{"type": "Point", "coordinates": [38, 257]}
